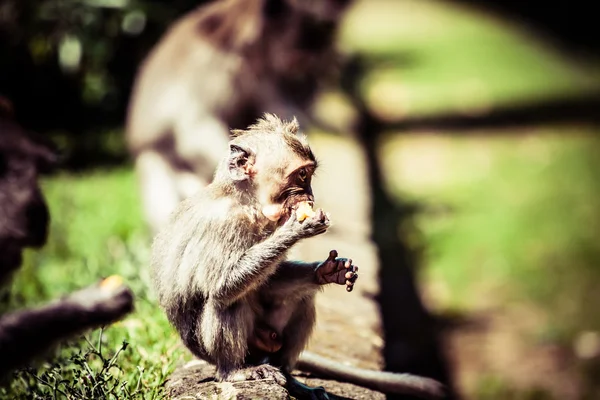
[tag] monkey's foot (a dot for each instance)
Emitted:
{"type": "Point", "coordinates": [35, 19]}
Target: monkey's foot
{"type": "Point", "coordinates": [337, 270]}
{"type": "Point", "coordinates": [259, 372]}
{"type": "Point", "coordinates": [302, 391]}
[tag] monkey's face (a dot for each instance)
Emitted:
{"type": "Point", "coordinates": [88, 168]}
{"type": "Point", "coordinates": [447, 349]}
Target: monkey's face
{"type": "Point", "coordinates": [279, 170]}
{"type": "Point", "coordinates": [284, 177]}
{"type": "Point", "coordinates": [297, 190]}
{"type": "Point", "coordinates": [273, 165]}
{"type": "Point", "coordinates": [283, 186]}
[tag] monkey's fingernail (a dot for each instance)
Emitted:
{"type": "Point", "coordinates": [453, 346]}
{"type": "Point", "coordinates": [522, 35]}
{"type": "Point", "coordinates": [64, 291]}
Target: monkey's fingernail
{"type": "Point", "coordinates": [354, 268]}
{"type": "Point", "coordinates": [349, 275]}
{"type": "Point", "coordinates": [348, 288]}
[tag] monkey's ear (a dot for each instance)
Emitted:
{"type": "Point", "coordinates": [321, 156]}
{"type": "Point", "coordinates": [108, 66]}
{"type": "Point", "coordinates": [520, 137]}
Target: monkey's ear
{"type": "Point", "coordinates": [240, 166]}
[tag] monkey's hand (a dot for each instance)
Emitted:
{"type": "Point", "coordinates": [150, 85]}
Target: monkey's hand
{"type": "Point", "coordinates": [311, 226]}
{"type": "Point", "coordinates": [337, 270]}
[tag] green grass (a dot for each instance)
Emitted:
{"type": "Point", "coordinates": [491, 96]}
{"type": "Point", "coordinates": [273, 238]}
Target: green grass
{"type": "Point", "coordinates": [520, 218]}
{"type": "Point", "coordinates": [447, 58]}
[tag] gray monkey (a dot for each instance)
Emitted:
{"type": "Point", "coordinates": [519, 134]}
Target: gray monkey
{"type": "Point", "coordinates": [221, 274]}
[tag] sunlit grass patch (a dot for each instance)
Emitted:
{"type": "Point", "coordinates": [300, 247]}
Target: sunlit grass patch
{"type": "Point", "coordinates": [512, 217]}
{"type": "Point", "coordinates": [444, 57]}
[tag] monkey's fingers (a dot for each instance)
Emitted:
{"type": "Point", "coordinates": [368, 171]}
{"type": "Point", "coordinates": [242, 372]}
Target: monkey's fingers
{"type": "Point", "coordinates": [351, 278]}
{"type": "Point", "coordinates": [332, 255]}
{"type": "Point", "coordinates": [352, 269]}
{"type": "Point", "coordinates": [266, 371]}
{"type": "Point", "coordinates": [321, 216]}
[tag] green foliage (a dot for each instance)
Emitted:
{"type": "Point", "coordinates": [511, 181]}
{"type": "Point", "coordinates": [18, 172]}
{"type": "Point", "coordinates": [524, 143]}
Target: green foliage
{"type": "Point", "coordinates": [437, 56]}
{"type": "Point", "coordinates": [82, 375]}
{"type": "Point", "coordinates": [519, 222]}
{"type": "Point", "coordinates": [490, 387]}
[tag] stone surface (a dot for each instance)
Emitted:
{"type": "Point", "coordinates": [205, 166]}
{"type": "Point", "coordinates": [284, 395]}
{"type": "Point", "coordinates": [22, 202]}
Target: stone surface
{"type": "Point", "coordinates": [195, 380]}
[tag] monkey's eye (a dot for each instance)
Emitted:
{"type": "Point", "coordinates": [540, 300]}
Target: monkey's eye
{"type": "Point", "coordinates": [302, 175]}
{"type": "Point", "coordinates": [241, 162]}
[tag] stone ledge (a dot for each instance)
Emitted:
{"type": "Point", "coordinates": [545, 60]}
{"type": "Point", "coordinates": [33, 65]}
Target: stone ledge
{"type": "Point", "coordinates": [195, 381]}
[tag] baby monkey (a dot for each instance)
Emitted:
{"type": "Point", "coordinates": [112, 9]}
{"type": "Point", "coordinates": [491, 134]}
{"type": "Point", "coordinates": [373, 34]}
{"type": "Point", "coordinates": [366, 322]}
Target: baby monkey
{"type": "Point", "coordinates": [219, 266]}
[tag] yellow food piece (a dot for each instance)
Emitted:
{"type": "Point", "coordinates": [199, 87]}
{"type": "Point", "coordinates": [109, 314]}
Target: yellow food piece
{"type": "Point", "coordinates": [304, 211]}
{"type": "Point", "coordinates": [112, 282]}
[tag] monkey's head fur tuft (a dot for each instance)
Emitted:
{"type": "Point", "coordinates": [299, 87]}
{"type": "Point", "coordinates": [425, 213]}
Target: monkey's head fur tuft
{"type": "Point", "coordinates": [270, 123]}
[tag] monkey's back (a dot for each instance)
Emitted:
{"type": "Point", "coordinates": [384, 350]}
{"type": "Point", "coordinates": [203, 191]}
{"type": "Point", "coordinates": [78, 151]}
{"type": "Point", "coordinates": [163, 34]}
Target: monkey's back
{"type": "Point", "coordinates": [172, 80]}
{"type": "Point", "coordinates": [188, 256]}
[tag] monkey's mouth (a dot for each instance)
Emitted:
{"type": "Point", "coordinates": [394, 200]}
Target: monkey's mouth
{"type": "Point", "coordinates": [290, 210]}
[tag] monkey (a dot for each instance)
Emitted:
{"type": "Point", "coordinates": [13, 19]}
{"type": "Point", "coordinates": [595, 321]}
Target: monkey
{"type": "Point", "coordinates": [26, 334]}
{"type": "Point", "coordinates": [220, 271]}
{"type": "Point", "coordinates": [221, 66]}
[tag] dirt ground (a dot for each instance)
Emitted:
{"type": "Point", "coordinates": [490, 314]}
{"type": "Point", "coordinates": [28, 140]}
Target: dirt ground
{"type": "Point", "coordinates": [348, 325]}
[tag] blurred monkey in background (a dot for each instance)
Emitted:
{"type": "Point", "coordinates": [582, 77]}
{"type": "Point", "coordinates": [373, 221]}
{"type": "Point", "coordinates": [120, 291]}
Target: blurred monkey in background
{"type": "Point", "coordinates": [24, 220]}
{"type": "Point", "coordinates": [221, 66]}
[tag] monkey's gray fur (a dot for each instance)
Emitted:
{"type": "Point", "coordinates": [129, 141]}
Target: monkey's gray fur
{"type": "Point", "coordinates": [219, 265]}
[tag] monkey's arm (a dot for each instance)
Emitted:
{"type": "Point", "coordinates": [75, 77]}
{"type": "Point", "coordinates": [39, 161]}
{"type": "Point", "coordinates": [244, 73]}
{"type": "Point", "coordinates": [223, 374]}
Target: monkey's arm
{"type": "Point", "coordinates": [26, 334]}
{"type": "Point", "coordinates": [294, 277]}
{"type": "Point", "coordinates": [246, 272]}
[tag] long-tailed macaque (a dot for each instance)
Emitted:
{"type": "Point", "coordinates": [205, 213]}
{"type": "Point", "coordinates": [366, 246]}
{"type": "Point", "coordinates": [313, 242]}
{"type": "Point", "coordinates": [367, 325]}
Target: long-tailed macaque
{"type": "Point", "coordinates": [221, 66]}
{"type": "Point", "coordinates": [24, 217]}
{"type": "Point", "coordinates": [220, 271]}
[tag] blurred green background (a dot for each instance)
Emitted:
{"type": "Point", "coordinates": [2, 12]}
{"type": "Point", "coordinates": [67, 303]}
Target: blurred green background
{"type": "Point", "coordinates": [510, 223]}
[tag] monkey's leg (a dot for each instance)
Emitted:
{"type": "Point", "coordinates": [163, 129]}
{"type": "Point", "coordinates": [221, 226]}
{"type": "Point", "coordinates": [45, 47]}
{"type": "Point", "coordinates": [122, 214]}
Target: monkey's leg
{"type": "Point", "coordinates": [295, 278]}
{"type": "Point", "coordinates": [158, 187]}
{"type": "Point", "coordinates": [225, 333]}
{"type": "Point", "coordinates": [295, 337]}
{"type": "Point", "coordinates": [258, 372]}
{"type": "Point", "coordinates": [296, 313]}
{"type": "Point", "coordinates": [26, 334]}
